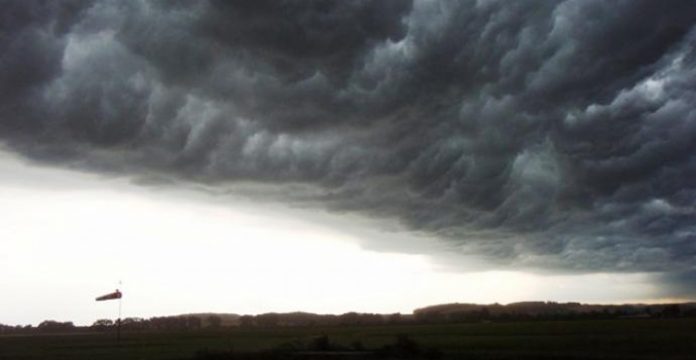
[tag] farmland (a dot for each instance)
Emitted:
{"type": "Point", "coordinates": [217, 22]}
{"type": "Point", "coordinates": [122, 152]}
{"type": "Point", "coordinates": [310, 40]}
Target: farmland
{"type": "Point", "coordinates": [580, 339]}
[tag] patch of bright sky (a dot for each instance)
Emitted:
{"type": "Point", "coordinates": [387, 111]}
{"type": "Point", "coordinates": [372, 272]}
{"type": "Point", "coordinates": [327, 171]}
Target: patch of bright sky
{"type": "Point", "coordinates": [66, 237]}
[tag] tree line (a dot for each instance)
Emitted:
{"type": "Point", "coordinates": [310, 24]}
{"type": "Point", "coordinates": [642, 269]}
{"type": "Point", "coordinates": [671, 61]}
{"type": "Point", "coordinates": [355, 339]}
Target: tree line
{"type": "Point", "coordinates": [446, 313]}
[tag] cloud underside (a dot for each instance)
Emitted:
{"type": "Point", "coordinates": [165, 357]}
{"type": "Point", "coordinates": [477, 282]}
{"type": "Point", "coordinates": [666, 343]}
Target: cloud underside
{"type": "Point", "coordinates": [549, 135]}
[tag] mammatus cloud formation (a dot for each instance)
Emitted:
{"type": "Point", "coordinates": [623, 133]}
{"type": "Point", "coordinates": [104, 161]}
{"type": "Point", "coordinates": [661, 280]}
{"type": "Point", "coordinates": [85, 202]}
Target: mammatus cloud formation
{"type": "Point", "coordinates": [538, 134]}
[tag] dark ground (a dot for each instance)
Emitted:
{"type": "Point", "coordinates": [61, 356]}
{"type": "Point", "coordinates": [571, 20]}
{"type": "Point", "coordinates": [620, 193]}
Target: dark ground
{"type": "Point", "coordinates": [581, 339]}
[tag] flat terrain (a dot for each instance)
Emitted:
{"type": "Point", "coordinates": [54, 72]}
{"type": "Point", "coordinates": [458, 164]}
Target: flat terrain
{"type": "Point", "coordinates": [587, 339]}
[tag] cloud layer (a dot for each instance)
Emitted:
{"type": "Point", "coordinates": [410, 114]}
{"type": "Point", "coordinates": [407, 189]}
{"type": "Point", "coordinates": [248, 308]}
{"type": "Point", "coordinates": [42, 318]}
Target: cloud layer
{"type": "Point", "coordinates": [547, 135]}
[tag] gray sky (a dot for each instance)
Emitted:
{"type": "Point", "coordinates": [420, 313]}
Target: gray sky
{"type": "Point", "coordinates": [534, 137]}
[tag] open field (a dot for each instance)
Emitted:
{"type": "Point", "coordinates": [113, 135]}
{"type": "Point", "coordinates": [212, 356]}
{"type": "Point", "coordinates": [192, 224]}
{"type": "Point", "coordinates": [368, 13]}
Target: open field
{"type": "Point", "coordinates": [591, 339]}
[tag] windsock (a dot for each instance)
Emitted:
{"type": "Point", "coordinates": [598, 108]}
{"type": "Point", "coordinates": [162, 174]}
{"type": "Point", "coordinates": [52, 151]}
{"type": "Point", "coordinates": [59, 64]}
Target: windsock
{"type": "Point", "coordinates": [111, 296]}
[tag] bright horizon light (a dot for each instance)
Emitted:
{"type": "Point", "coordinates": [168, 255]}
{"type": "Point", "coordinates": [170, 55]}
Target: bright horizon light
{"type": "Point", "coordinates": [66, 243]}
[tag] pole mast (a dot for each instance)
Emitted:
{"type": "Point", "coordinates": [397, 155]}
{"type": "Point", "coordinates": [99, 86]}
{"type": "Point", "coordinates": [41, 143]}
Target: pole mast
{"type": "Point", "coordinates": [118, 321]}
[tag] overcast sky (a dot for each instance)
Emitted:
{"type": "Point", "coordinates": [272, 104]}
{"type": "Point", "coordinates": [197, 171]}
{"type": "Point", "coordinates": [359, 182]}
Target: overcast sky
{"type": "Point", "coordinates": [392, 153]}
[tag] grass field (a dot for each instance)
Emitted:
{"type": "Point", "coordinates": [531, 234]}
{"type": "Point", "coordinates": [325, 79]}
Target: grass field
{"type": "Point", "coordinates": [594, 339]}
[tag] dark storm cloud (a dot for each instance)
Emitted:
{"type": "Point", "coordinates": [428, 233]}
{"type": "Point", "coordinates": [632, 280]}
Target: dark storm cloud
{"type": "Point", "coordinates": [548, 135]}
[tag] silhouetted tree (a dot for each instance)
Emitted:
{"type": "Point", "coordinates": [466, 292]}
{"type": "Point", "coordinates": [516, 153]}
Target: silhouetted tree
{"type": "Point", "coordinates": [246, 321]}
{"type": "Point", "coordinates": [102, 324]}
{"type": "Point", "coordinates": [214, 321]}
{"type": "Point", "coordinates": [267, 320]}
{"type": "Point", "coordinates": [51, 325]}
{"type": "Point", "coordinates": [350, 318]}
{"type": "Point", "coordinates": [134, 323]}
{"type": "Point", "coordinates": [192, 322]}
{"type": "Point", "coordinates": [394, 318]}
{"type": "Point", "coordinates": [484, 314]}
{"type": "Point", "coordinates": [672, 310]}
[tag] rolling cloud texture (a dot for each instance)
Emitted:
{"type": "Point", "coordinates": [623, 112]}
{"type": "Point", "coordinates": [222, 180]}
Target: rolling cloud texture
{"type": "Point", "coordinates": [549, 135]}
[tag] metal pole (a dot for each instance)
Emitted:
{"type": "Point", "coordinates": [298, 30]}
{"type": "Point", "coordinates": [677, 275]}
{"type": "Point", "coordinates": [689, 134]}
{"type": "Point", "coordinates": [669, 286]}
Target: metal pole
{"type": "Point", "coordinates": [118, 324]}
{"type": "Point", "coordinates": [118, 321]}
